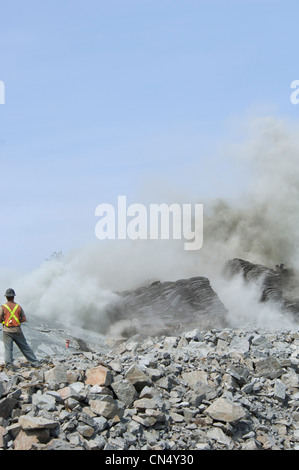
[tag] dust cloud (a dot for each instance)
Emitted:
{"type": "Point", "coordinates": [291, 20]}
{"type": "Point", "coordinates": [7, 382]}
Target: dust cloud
{"type": "Point", "coordinates": [261, 226]}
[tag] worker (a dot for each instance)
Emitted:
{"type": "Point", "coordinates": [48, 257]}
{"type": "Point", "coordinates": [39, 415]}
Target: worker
{"type": "Point", "coordinates": [11, 316]}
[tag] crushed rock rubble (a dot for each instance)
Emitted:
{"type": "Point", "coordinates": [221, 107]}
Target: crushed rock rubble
{"type": "Point", "coordinates": [201, 390]}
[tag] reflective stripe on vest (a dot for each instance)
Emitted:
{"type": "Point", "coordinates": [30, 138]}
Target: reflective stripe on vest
{"type": "Point", "coordinates": [12, 314]}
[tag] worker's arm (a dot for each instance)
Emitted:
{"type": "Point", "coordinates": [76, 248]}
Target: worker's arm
{"type": "Point", "coordinates": [22, 316]}
{"type": "Point", "coordinates": [1, 315]}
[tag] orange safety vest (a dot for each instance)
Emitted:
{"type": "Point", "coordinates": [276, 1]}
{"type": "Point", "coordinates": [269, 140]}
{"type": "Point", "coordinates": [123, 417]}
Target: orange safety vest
{"type": "Point", "coordinates": [11, 315]}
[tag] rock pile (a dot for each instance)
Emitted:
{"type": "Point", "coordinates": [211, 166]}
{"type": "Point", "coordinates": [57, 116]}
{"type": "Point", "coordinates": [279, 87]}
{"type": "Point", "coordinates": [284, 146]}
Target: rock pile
{"type": "Point", "coordinates": [48, 338]}
{"type": "Point", "coordinates": [202, 389]}
{"type": "Point", "coordinates": [279, 285]}
{"type": "Point", "coordinates": [174, 307]}
{"type": "Point", "coordinates": [169, 307]}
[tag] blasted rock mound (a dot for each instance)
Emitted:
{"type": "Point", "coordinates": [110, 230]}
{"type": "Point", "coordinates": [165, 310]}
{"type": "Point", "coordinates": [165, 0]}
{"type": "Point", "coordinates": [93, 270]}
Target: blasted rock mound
{"type": "Point", "coordinates": [168, 308]}
{"type": "Point", "coordinates": [279, 285]}
{"type": "Point", "coordinates": [48, 338]}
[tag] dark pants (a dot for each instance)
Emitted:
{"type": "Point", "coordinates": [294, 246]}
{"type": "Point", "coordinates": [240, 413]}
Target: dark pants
{"type": "Point", "coordinates": [16, 337]}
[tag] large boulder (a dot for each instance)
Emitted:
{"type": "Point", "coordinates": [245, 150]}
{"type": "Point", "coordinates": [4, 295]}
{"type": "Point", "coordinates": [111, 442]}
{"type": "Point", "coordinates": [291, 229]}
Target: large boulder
{"type": "Point", "coordinates": [278, 284]}
{"type": "Point", "coordinates": [168, 308]}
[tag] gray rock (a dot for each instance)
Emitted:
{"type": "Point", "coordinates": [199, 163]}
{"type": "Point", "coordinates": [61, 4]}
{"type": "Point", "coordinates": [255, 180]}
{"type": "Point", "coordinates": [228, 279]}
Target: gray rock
{"type": "Point", "coordinates": [279, 390]}
{"type": "Point", "coordinates": [85, 430]}
{"type": "Point", "coordinates": [101, 423]}
{"type": "Point", "coordinates": [125, 391]}
{"type": "Point", "coordinates": [224, 410]}
{"type": "Point", "coordinates": [239, 344]}
{"type": "Point", "coordinates": [7, 405]}
{"type": "Point", "coordinates": [194, 335]}
{"type": "Point", "coordinates": [44, 401]}
{"type": "Point", "coordinates": [217, 435]}
{"type": "Point", "coordinates": [269, 368]}
{"type": "Point", "coordinates": [31, 422]}
{"type": "Point", "coordinates": [106, 407]}
{"type": "Point", "coordinates": [62, 444]}
{"type": "Point", "coordinates": [137, 377]}
{"type": "Point", "coordinates": [97, 443]}
{"type": "Point", "coordinates": [57, 375]}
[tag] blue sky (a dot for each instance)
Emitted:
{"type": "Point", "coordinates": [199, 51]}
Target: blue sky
{"type": "Point", "coordinates": [108, 98]}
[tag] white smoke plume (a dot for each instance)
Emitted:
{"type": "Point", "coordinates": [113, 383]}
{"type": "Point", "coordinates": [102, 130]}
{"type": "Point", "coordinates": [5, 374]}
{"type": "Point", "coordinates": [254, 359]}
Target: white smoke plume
{"type": "Point", "coordinates": [263, 226]}
{"type": "Point", "coordinates": [260, 226]}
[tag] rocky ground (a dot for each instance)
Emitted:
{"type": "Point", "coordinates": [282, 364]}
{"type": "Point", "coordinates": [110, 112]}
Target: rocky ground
{"type": "Point", "coordinates": [200, 390]}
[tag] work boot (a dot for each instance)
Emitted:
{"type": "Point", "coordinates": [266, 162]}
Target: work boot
{"type": "Point", "coordinates": [35, 364]}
